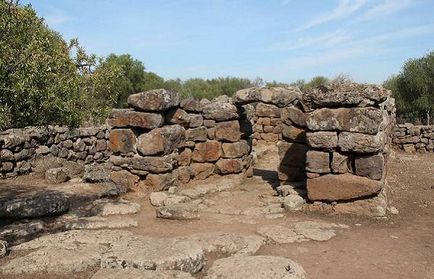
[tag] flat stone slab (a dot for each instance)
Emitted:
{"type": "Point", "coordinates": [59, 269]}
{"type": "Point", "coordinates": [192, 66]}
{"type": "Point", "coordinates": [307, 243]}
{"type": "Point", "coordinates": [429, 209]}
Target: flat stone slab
{"type": "Point", "coordinates": [105, 207]}
{"type": "Point", "coordinates": [258, 267]}
{"type": "Point", "coordinates": [58, 260]}
{"type": "Point", "coordinates": [301, 231]}
{"type": "Point", "coordinates": [31, 205]}
{"type": "Point", "coordinates": [227, 243]}
{"type": "Point", "coordinates": [149, 253]}
{"type": "Point", "coordinates": [96, 222]}
{"type": "Point", "coordinates": [181, 211]}
{"type": "Point", "coordinates": [133, 273]}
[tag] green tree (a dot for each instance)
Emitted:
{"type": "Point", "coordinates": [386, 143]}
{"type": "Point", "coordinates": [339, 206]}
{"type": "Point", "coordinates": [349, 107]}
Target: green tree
{"type": "Point", "coordinates": [316, 81]}
{"type": "Point", "coordinates": [413, 89]}
{"type": "Point", "coordinates": [43, 79]}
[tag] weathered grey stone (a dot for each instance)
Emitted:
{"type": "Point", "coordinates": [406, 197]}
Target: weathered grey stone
{"type": "Point", "coordinates": [96, 222]}
{"type": "Point", "coordinates": [227, 243]}
{"type": "Point", "coordinates": [292, 115]}
{"type": "Point", "coordinates": [158, 198]}
{"type": "Point", "coordinates": [33, 205]}
{"type": "Point", "coordinates": [220, 111]}
{"type": "Point", "coordinates": [361, 143]}
{"type": "Point", "coordinates": [341, 187]}
{"type": "Point", "coordinates": [280, 234]}
{"type": "Point", "coordinates": [267, 110]}
{"type": "Point", "coordinates": [162, 140]}
{"type": "Point", "coordinates": [96, 173]}
{"type": "Point", "coordinates": [317, 161]}
{"type": "Point", "coordinates": [191, 105]}
{"type": "Point", "coordinates": [161, 254]}
{"type": "Point", "coordinates": [56, 175]}
{"type": "Point", "coordinates": [197, 134]}
{"type": "Point", "coordinates": [196, 120]}
{"type": "Point", "coordinates": [7, 155]}
{"type": "Point", "coordinates": [293, 203]}
{"type": "Point", "coordinates": [181, 211]}
{"type": "Point", "coordinates": [345, 94]}
{"type": "Point", "coordinates": [360, 120]}
{"type": "Point", "coordinates": [370, 166]}
{"type": "Point", "coordinates": [260, 267]}
{"type": "Point", "coordinates": [122, 118]}
{"type": "Point", "coordinates": [154, 100]}
{"type": "Point", "coordinates": [149, 164]}
{"type": "Point", "coordinates": [322, 140]}
{"type": "Point", "coordinates": [21, 230]}
{"type": "Point", "coordinates": [235, 150]}
{"type": "Point", "coordinates": [279, 96]}
{"type": "Point", "coordinates": [228, 131]}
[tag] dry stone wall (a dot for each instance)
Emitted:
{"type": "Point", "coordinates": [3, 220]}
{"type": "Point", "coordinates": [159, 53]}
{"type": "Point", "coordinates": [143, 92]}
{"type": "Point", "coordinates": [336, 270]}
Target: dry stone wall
{"type": "Point", "coordinates": [412, 138]}
{"type": "Point", "coordinates": [337, 139]}
{"type": "Point", "coordinates": [21, 149]}
{"type": "Point", "coordinates": [163, 141]}
{"type": "Point", "coordinates": [265, 107]}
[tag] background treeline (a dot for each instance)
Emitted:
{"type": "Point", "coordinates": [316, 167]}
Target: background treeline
{"type": "Point", "coordinates": [46, 80]}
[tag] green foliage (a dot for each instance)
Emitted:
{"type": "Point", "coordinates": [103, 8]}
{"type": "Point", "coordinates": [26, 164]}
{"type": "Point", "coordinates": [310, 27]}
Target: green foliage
{"type": "Point", "coordinates": [413, 89]}
{"type": "Point", "coordinates": [43, 79]}
{"type": "Point", "coordinates": [316, 81]}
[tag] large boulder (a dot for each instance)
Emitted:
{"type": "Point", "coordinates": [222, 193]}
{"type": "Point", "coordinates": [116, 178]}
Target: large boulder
{"type": "Point", "coordinates": [317, 161]}
{"type": "Point", "coordinates": [32, 205]}
{"type": "Point", "coordinates": [359, 120]}
{"type": "Point", "coordinates": [121, 118]}
{"type": "Point", "coordinates": [341, 187]}
{"type": "Point", "coordinates": [162, 140]}
{"type": "Point", "coordinates": [154, 100]}
{"type": "Point", "coordinates": [345, 94]}
{"type": "Point", "coordinates": [279, 96]}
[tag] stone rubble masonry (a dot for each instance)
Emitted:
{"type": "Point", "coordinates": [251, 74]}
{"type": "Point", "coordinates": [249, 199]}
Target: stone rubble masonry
{"type": "Point", "coordinates": [20, 149]}
{"type": "Point", "coordinates": [264, 107]}
{"type": "Point", "coordinates": [337, 137]}
{"type": "Point", "coordinates": [414, 138]}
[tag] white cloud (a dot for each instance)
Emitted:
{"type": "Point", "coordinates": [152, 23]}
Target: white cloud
{"type": "Point", "coordinates": [344, 9]}
{"type": "Point", "coordinates": [387, 7]}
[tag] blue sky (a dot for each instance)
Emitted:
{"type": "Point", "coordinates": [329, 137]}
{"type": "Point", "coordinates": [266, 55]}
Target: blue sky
{"type": "Point", "coordinates": [281, 40]}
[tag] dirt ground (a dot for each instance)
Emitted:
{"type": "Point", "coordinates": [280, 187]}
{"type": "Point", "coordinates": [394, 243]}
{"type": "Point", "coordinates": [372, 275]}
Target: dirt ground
{"type": "Point", "coordinates": [399, 246]}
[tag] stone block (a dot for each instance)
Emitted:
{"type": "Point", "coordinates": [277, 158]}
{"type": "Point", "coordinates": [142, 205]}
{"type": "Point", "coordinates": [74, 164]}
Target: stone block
{"type": "Point", "coordinates": [341, 187]}
{"type": "Point", "coordinates": [322, 140]}
{"type": "Point", "coordinates": [359, 120]}
{"type": "Point", "coordinates": [209, 151]}
{"type": "Point", "coordinates": [202, 170]}
{"type": "Point", "coordinates": [227, 166]}
{"type": "Point", "coordinates": [292, 115]}
{"type": "Point", "coordinates": [220, 111]}
{"type": "Point", "coordinates": [318, 162]}
{"type": "Point", "coordinates": [279, 96]}
{"type": "Point", "coordinates": [235, 150]}
{"type": "Point", "coordinates": [361, 143]}
{"type": "Point", "coordinates": [196, 134]}
{"type": "Point", "coordinates": [340, 163]}
{"type": "Point", "coordinates": [293, 133]}
{"type": "Point", "coordinates": [154, 100]}
{"type": "Point", "coordinates": [228, 131]}
{"type": "Point", "coordinates": [123, 118]}
{"type": "Point", "coordinates": [178, 116]}
{"type": "Point", "coordinates": [292, 154]}
{"type": "Point", "coordinates": [370, 166]}
{"type": "Point", "coordinates": [267, 110]}
{"type": "Point", "coordinates": [191, 105]}
{"type": "Point", "coordinates": [164, 140]}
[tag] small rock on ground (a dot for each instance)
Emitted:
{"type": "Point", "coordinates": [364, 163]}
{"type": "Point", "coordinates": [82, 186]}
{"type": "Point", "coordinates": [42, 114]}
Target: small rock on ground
{"type": "Point", "coordinates": [258, 267]}
{"type": "Point", "coordinates": [293, 202]}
